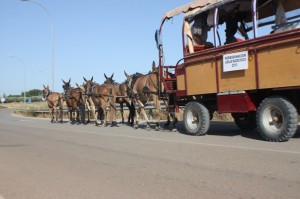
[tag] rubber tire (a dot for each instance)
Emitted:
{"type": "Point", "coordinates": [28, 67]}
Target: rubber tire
{"type": "Point", "coordinates": [198, 110]}
{"type": "Point", "coordinates": [289, 117]}
{"type": "Point", "coordinates": [245, 121]}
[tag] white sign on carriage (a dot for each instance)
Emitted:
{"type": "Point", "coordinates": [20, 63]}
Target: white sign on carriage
{"type": "Point", "coordinates": [235, 61]}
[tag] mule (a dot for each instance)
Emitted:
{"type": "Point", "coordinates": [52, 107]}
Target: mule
{"type": "Point", "coordinates": [103, 97]}
{"type": "Point", "coordinates": [121, 98]}
{"type": "Point", "coordinates": [54, 101]}
{"type": "Point", "coordinates": [146, 88]}
{"type": "Point", "coordinates": [75, 100]}
{"type": "Point", "coordinates": [89, 105]}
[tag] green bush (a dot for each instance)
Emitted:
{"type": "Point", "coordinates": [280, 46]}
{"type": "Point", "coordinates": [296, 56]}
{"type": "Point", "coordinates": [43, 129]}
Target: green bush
{"type": "Point", "coordinates": [10, 99]}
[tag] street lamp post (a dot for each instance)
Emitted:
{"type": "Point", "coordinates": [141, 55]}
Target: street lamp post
{"type": "Point", "coordinates": [52, 24]}
{"type": "Point", "coordinates": [20, 60]}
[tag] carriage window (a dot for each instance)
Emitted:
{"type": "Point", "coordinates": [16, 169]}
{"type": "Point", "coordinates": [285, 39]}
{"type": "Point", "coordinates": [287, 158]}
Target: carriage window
{"type": "Point", "coordinates": [274, 16]}
{"type": "Point", "coordinates": [234, 22]}
{"type": "Point", "coordinates": [199, 33]}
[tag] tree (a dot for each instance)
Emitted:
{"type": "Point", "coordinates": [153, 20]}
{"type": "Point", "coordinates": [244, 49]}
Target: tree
{"type": "Point", "coordinates": [33, 92]}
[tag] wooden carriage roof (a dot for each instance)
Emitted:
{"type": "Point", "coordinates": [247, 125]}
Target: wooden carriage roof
{"type": "Point", "coordinates": [198, 6]}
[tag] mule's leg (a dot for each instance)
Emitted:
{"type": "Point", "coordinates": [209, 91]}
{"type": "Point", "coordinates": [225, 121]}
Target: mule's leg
{"type": "Point", "coordinates": [132, 113]}
{"type": "Point", "coordinates": [146, 117]}
{"type": "Point", "coordinates": [122, 112]}
{"type": "Point", "coordinates": [112, 112]}
{"type": "Point", "coordinates": [129, 115]}
{"type": "Point", "coordinates": [71, 115]}
{"type": "Point", "coordinates": [93, 112]}
{"type": "Point", "coordinates": [60, 108]}
{"type": "Point", "coordinates": [131, 109]}
{"type": "Point", "coordinates": [77, 115]}
{"type": "Point", "coordinates": [157, 107]}
{"type": "Point", "coordinates": [51, 114]}
{"type": "Point", "coordinates": [96, 115]}
{"type": "Point", "coordinates": [61, 115]}
{"type": "Point", "coordinates": [82, 113]}
{"type": "Point", "coordinates": [137, 117]}
{"type": "Point", "coordinates": [104, 112]}
{"type": "Point", "coordinates": [88, 113]}
{"type": "Point", "coordinates": [56, 114]}
{"type": "Point", "coordinates": [175, 121]}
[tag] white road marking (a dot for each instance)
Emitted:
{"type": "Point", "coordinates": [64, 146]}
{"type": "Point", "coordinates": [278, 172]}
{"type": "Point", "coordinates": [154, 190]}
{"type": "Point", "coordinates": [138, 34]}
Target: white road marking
{"type": "Point", "coordinates": [24, 121]}
{"type": "Point", "coordinates": [178, 141]}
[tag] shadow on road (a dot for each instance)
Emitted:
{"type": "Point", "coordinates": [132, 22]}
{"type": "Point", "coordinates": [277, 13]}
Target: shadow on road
{"type": "Point", "coordinates": [229, 129]}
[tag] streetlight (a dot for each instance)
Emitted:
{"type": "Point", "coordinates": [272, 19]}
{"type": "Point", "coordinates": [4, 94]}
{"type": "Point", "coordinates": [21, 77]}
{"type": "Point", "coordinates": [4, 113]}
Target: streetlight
{"type": "Point", "coordinates": [20, 60]}
{"type": "Point", "coordinates": [52, 23]}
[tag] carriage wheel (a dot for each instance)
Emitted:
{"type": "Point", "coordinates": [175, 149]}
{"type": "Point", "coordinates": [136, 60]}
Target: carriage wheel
{"type": "Point", "coordinates": [245, 121]}
{"type": "Point", "coordinates": [277, 119]}
{"type": "Point", "coordinates": [196, 119]}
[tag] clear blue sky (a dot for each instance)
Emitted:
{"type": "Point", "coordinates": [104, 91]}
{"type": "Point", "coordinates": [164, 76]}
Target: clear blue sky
{"type": "Point", "coordinates": [92, 37]}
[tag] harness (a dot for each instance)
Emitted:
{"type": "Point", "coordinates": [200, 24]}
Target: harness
{"type": "Point", "coordinates": [145, 89]}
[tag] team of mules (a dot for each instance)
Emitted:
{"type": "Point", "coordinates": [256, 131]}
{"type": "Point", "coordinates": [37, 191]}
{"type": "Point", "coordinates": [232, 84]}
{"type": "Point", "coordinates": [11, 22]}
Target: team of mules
{"type": "Point", "coordinates": [137, 91]}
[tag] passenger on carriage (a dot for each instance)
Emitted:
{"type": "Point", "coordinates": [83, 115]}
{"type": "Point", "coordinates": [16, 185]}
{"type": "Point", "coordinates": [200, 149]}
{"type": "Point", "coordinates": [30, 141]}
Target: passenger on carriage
{"type": "Point", "coordinates": [231, 30]}
{"type": "Point", "coordinates": [199, 30]}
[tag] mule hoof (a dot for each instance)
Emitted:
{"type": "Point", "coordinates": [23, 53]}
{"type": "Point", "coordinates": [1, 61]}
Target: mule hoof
{"type": "Point", "coordinates": [157, 128]}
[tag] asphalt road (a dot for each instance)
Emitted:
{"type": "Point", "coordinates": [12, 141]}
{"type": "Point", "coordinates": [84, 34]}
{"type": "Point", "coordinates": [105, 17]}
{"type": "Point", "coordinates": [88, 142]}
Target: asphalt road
{"type": "Point", "coordinates": [39, 160]}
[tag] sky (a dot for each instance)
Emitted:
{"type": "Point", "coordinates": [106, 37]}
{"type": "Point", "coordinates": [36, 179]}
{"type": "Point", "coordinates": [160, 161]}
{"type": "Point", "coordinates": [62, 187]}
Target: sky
{"type": "Point", "coordinates": [91, 37]}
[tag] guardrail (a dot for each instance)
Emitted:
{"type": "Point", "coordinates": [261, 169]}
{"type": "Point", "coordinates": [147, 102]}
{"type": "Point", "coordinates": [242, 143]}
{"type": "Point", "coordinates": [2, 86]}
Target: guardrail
{"type": "Point", "coordinates": [44, 111]}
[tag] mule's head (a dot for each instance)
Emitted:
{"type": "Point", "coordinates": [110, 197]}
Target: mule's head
{"type": "Point", "coordinates": [129, 82]}
{"type": "Point", "coordinates": [46, 91]}
{"type": "Point", "coordinates": [109, 80]}
{"type": "Point", "coordinates": [88, 85]}
{"type": "Point", "coordinates": [67, 85]}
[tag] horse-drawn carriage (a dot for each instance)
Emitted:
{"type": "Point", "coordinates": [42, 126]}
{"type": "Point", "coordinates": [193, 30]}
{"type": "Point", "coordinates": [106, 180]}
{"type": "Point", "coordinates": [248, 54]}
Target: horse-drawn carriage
{"type": "Point", "coordinates": [256, 79]}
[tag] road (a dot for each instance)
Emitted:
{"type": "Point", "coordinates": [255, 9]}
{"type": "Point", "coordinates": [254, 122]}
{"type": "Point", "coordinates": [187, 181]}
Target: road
{"type": "Point", "coordinates": [39, 160]}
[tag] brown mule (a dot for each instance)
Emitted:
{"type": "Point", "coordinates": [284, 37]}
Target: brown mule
{"type": "Point", "coordinates": [103, 97]}
{"type": "Point", "coordinates": [75, 100]}
{"type": "Point", "coordinates": [54, 101]}
{"type": "Point", "coordinates": [89, 102]}
{"type": "Point", "coordinates": [146, 88]}
{"type": "Point", "coordinates": [121, 98]}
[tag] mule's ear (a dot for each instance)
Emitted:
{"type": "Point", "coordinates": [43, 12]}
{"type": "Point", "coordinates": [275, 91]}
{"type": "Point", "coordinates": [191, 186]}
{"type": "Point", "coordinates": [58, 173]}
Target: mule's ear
{"type": "Point", "coordinates": [63, 81]}
{"type": "Point", "coordinates": [153, 66]}
{"type": "Point", "coordinates": [69, 80]}
{"type": "Point", "coordinates": [112, 76]}
{"type": "Point", "coordinates": [105, 76]}
{"type": "Point", "coordinates": [77, 84]}
{"type": "Point", "coordinates": [127, 76]}
{"type": "Point", "coordinates": [84, 79]}
{"type": "Point", "coordinates": [92, 79]}
{"type": "Point", "coordinates": [44, 86]}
